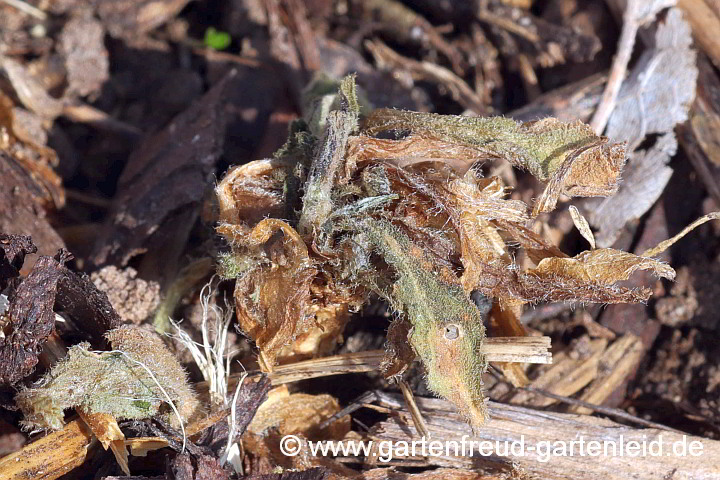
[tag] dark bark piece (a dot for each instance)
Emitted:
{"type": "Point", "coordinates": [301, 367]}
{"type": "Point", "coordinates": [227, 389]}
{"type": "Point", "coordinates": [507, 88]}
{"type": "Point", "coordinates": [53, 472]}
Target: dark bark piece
{"type": "Point", "coordinates": [196, 467]}
{"type": "Point", "coordinates": [80, 300]}
{"type": "Point", "coordinates": [50, 286]}
{"type": "Point", "coordinates": [249, 400]}
{"type": "Point", "coordinates": [13, 249]}
{"type": "Point", "coordinates": [252, 395]}
{"type": "Point", "coordinates": [161, 188]}
{"type": "Point", "coordinates": [32, 319]}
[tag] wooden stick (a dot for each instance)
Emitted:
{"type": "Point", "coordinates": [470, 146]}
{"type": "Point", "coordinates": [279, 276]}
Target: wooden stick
{"type": "Point", "coordinates": [51, 456]}
{"type": "Point", "coordinates": [547, 431]}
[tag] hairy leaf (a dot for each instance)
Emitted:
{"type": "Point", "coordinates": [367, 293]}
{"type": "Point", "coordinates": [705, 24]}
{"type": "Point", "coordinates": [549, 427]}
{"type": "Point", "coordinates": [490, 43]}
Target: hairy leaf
{"type": "Point", "coordinates": [568, 156]}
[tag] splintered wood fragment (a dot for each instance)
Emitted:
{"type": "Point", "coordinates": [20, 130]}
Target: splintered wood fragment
{"type": "Point", "coordinates": [496, 349]}
{"type": "Point", "coordinates": [139, 447]}
{"type": "Point", "coordinates": [518, 349]}
{"type": "Point", "coordinates": [51, 456]}
{"type": "Point", "coordinates": [548, 431]}
{"type": "Point", "coordinates": [616, 364]}
{"type": "Point", "coordinates": [568, 375]}
{"type": "Point", "coordinates": [358, 362]}
{"type": "Point", "coordinates": [417, 417]}
{"type": "Point", "coordinates": [106, 429]}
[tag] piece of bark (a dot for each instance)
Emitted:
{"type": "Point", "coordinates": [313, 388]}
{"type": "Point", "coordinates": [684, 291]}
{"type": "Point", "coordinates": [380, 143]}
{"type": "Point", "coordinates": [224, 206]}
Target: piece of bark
{"type": "Point", "coordinates": [517, 424]}
{"type": "Point", "coordinates": [309, 474]}
{"type": "Point", "coordinates": [252, 394]}
{"type": "Point", "coordinates": [13, 249]}
{"type": "Point", "coordinates": [197, 467]}
{"type": "Point", "coordinates": [51, 287]}
{"type": "Point", "coordinates": [162, 186]}
{"type": "Point", "coordinates": [20, 210]}
{"type": "Point", "coordinates": [32, 319]}
{"type": "Point", "coordinates": [700, 137]}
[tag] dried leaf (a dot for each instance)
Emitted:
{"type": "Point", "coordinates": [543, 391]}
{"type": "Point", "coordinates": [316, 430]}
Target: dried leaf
{"type": "Point", "coordinates": [299, 413]}
{"type": "Point", "coordinates": [582, 225]}
{"type": "Point", "coordinates": [603, 266]}
{"type": "Point", "coordinates": [570, 157]}
{"type": "Point", "coordinates": [273, 297]}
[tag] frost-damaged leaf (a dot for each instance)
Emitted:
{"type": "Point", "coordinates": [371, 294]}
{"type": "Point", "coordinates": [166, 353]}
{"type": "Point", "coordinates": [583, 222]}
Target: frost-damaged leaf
{"type": "Point", "coordinates": [447, 328]}
{"type": "Point", "coordinates": [133, 381]}
{"type": "Point", "coordinates": [603, 266]}
{"type": "Point", "coordinates": [568, 156]}
{"type": "Point", "coordinates": [273, 297]}
{"type": "Point", "coordinates": [655, 98]}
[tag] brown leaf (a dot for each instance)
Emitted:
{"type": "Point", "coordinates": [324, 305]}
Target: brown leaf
{"type": "Point", "coordinates": [568, 156]}
{"type": "Point", "coordinates": [299, 413]}
{"type": "Point", "coordinates": [603, 266]}
{"type": "Point", "coordinates": [273, 299]}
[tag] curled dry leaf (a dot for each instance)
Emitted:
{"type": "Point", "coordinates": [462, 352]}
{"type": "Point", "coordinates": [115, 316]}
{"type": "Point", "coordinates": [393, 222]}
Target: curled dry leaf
{"type": "Point", "coordinates": [568, 156]}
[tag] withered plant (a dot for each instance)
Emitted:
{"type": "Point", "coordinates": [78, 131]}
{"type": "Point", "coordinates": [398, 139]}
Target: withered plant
{"type": "Point", "coordinates": [339, 214]}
